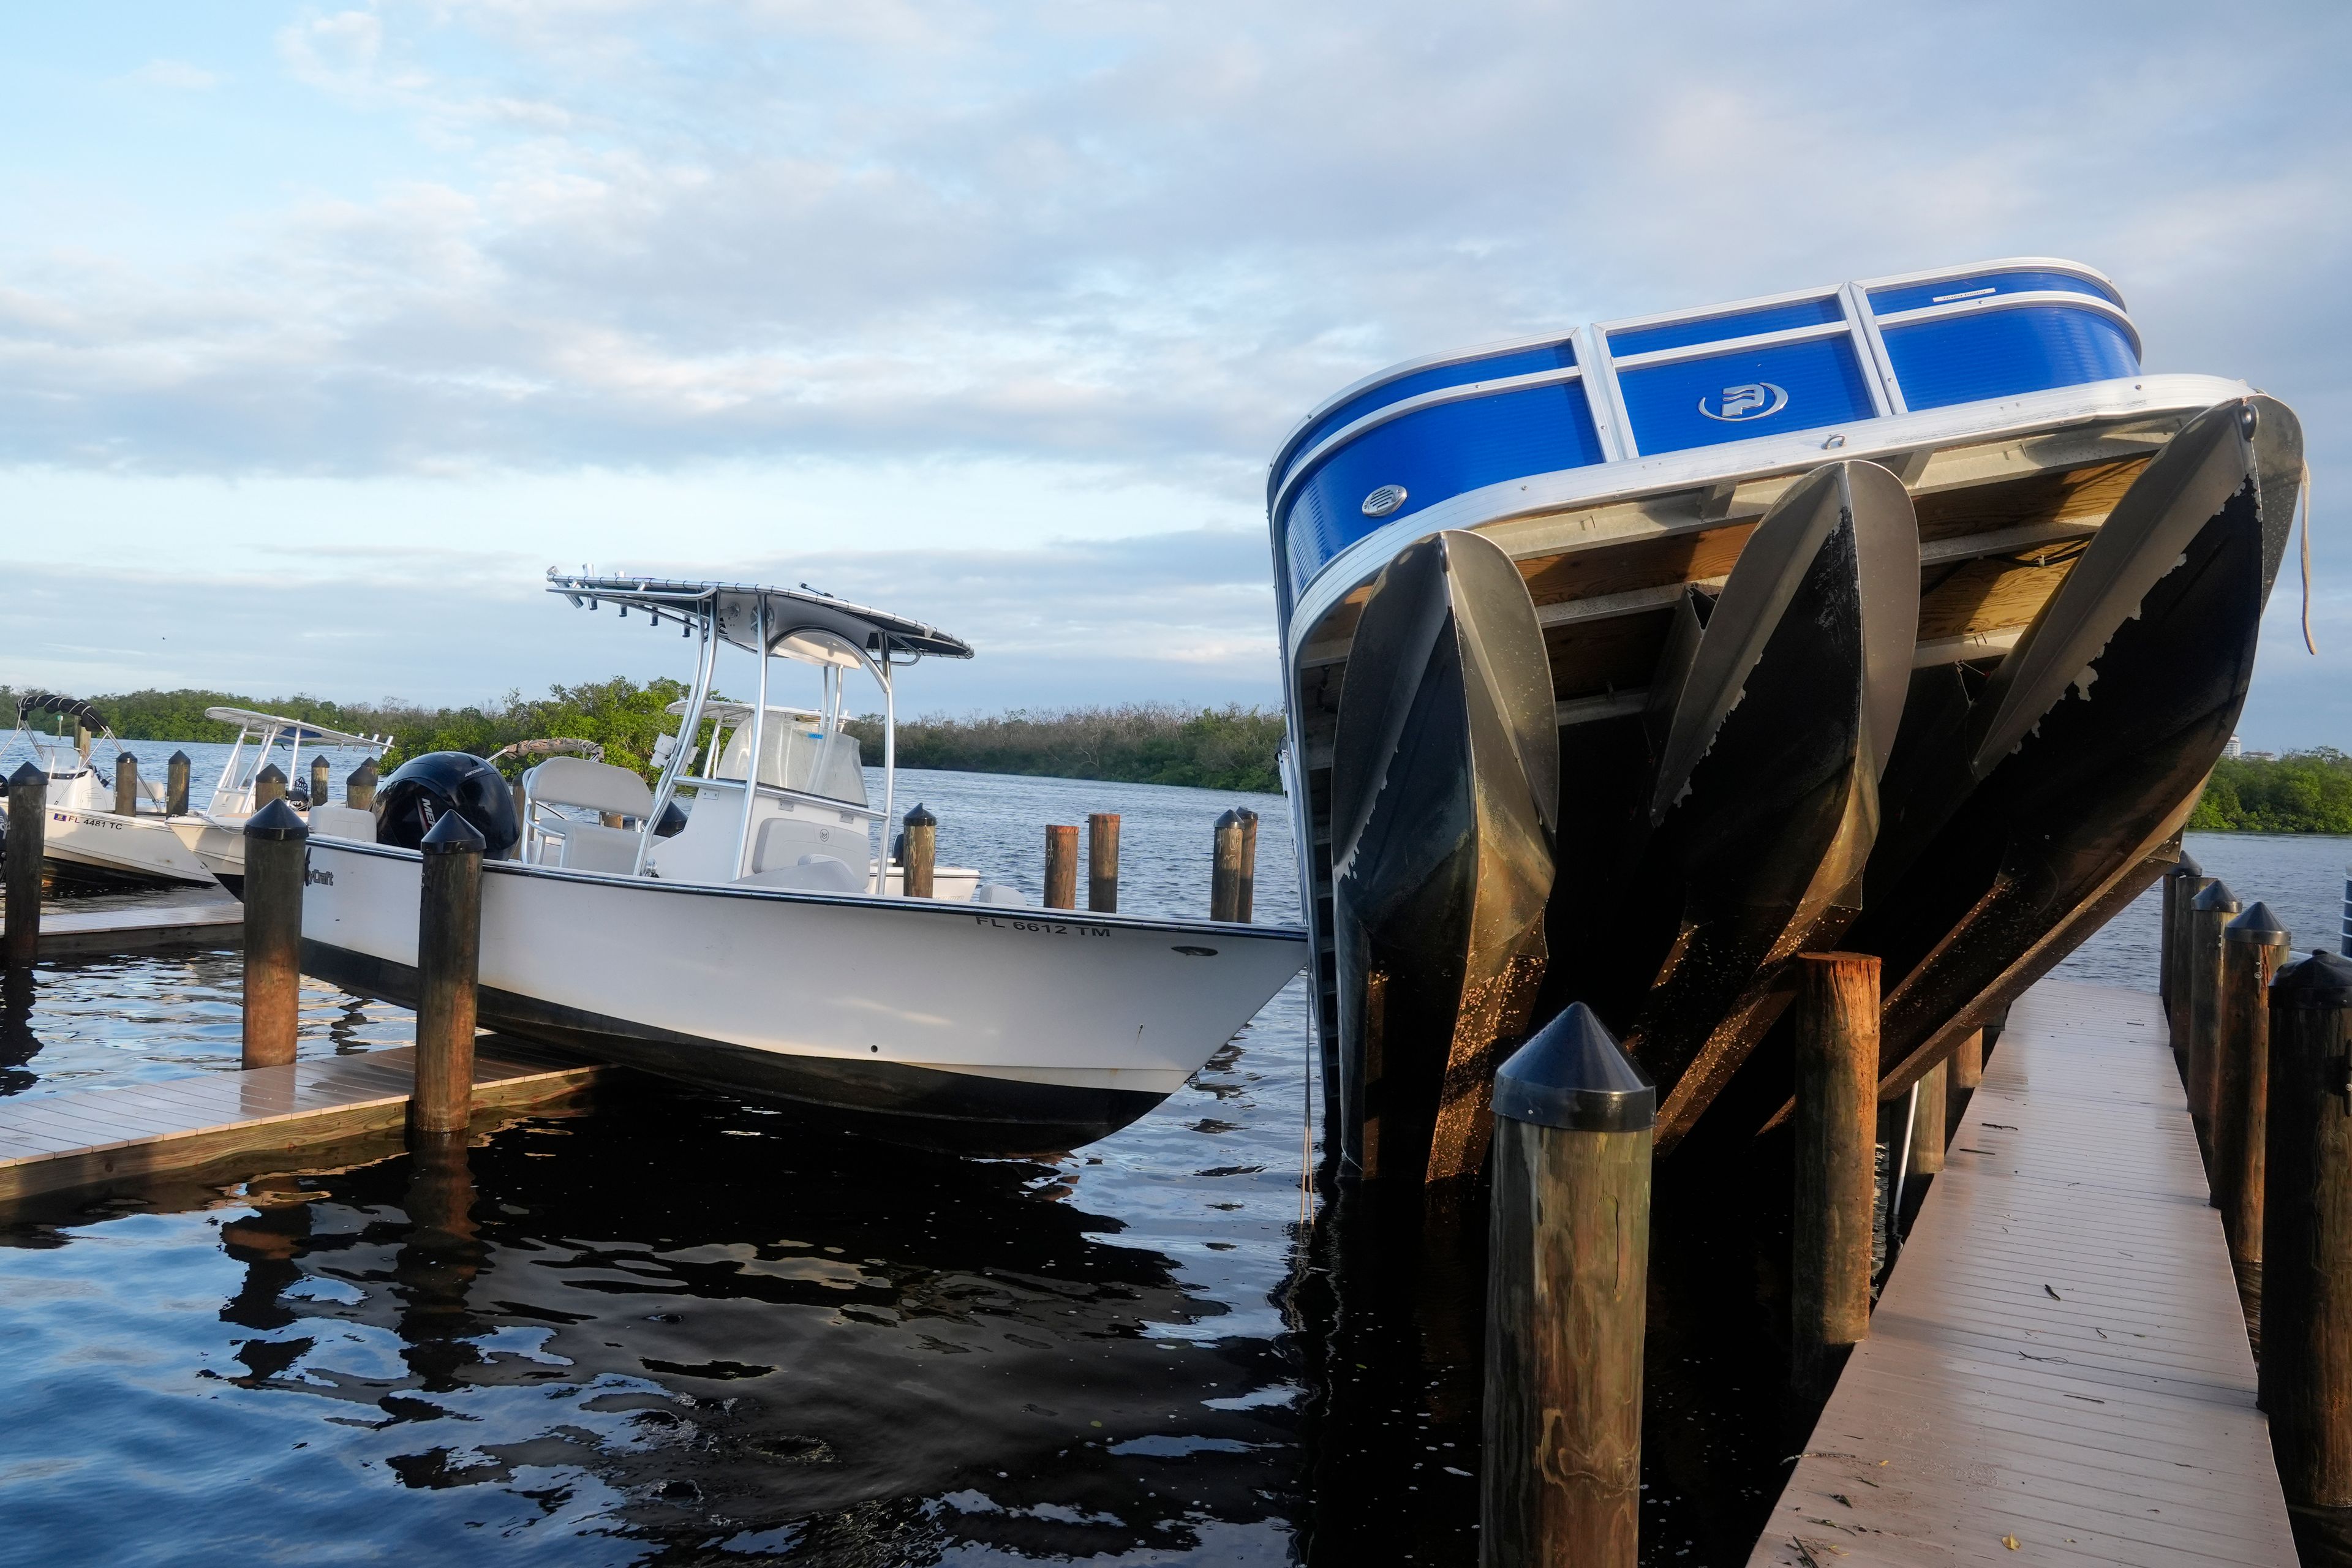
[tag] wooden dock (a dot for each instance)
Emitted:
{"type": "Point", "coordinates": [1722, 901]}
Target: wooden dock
{"type": "Point", "coordinates": [194, 914]}
{"type": "Point", "coordinates": [2057, 1371]}
{"type": "Point", "coordinates": [244, 1123]}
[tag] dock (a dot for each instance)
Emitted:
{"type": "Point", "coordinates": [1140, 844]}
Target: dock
{"type": "Point", "coordinates": [192, 914]}
{"type": "Point", "coordinates": [2057, 1370]}
{"type": "Point", "coordinates": [329, 1109]}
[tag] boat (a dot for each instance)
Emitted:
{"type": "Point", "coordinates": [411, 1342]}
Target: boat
{"type": "Point", "coordinates": [764, 944]}
{"type": "Point", "coordinates": [161, 840]}
{"type": "Point", "coordinates": [1905, 615]}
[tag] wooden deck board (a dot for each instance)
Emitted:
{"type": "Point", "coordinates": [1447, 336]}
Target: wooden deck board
{"type": "Point", "coordinates": [192, 914]}
{"type": "Point", "coordinates": [1986, 1404]}
{"type": "Point", "coordinates": [60, 1143]}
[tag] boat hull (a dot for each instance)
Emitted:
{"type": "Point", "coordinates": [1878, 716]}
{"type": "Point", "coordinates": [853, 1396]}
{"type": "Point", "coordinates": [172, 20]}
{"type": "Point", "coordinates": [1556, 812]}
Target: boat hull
{"type": "Point", "coordinates": [990, 1031]}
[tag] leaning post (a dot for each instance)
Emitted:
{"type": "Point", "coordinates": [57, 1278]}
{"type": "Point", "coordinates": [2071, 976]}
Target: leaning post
{"type": "Point", "coordinates": [920, 852]}
{"type": "Point", "coordinates": [1062, 867]}
{"type": "Point", "coordinates": [176, 786]}
{"type": "Point", "coordinates": [359, 786]}
{"type": "Point", "coordinates": [1226, 870]}
{"type": "Point", "coordinates": [276, 857]}
{"type": "Point", "coordinates": [2307, 1362]}
{"type": "Point", "coordinates": [126, 784]}
{"type": "Point", "coordinates": [1836, 1127]}
{"type": "Point", "coordinates": [1102, 862]}
{"type": "Point", "coordinates": [2210, 913]}
{"type": "Point", "coordinates": [28, 816]}
{"type": "Point", "coordinates": [1567, 1273]}
{"type": "Point", "coordinates": [448, 968]}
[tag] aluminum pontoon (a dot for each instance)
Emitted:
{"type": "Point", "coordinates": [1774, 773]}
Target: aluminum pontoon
{"type": "Point", "coordinates": [1623, 663]}
{"type": "Point", "coordinates": [766, 946]}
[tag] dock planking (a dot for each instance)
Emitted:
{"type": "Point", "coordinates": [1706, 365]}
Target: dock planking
{"type": "Point", "coordinates": [244, 1122]}
{"type": "Point", "coordinates": [192, 914]}
{"type": "Point", "coordinates": [2057, 1370]}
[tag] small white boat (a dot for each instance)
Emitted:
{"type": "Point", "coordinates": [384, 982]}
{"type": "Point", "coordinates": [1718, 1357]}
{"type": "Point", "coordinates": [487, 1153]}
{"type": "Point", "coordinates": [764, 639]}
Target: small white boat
{"type": "Point", "coordinates": [160, 838]}
{"type": "Point", "coordinates": [765, 947]}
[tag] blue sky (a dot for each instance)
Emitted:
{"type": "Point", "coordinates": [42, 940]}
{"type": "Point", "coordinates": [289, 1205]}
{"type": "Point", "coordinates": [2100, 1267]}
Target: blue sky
{"type": "Point", "coordinates": [324, 332]}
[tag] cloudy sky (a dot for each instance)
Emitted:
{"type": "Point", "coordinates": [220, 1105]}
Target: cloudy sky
{"type": "Point", "coordinates": [323, 333]}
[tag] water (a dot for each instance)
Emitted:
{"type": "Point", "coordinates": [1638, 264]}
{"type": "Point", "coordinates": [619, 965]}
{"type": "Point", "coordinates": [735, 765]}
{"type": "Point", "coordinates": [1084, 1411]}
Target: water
{"type": "Point", "coordinates": [2299, 876]}
{"type": "Point", "coordinates": [684, 1329]}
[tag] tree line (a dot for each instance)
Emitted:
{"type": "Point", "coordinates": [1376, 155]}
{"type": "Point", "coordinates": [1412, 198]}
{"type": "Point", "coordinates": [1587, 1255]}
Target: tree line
{"type": "Point", "coordinates": [2302, 792]}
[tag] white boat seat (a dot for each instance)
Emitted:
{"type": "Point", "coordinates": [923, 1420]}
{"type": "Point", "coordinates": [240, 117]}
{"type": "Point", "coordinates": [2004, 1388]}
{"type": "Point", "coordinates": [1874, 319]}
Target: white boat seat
{"type": "Point", "coordinates": [593, 786]}
{"type": "Point", "coordinates": [589, 847]}
{"type": "Point", "coordinates": [814, 874]}
{"type": "Point", "coordinates": [999, 893]}
{"type": "Point", "coordinates": [342, 822]}
{"type": "Point", "coordinates": [784, 841]}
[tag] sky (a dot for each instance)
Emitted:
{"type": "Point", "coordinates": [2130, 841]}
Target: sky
{"type": "Point", "coordinates": [324, 332]}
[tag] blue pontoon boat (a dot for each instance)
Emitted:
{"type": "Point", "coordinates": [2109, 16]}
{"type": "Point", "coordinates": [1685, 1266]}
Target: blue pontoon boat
{"type": "Point", "coordinates": [1626, 662]}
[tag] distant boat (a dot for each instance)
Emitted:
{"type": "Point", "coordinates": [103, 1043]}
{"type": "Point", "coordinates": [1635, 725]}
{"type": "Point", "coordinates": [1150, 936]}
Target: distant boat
{"type": "Point", "coordinates": [1906, 616]}
{"type": "Point", "coordinates": [763, 944]}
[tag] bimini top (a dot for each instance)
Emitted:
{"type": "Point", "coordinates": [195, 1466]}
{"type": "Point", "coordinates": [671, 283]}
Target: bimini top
{"type": "Point", "coordinates": [734, 609]}
{"type": "Point", "coordinates": [303, 728]}
{"type": "Point", "coordinates": [1826, 359]}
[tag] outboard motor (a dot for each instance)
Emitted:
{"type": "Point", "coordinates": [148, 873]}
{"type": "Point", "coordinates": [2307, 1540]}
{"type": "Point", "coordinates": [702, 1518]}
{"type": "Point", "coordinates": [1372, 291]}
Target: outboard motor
{"type": "Point", "coordinates": [421, 789]}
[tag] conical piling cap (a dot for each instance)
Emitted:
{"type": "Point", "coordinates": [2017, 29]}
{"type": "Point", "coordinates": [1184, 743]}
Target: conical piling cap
{"type": "Point", "coordinates": [27, 775]}
{"type": "Point", "coordinates": [2258, 926]}
{"type": "Point", "coordinates": [2216, 896]}
{"type": "Point", "coordinates": [453, 835]}
{"type": "Point", "coordinates": [2320, 982]}
{"type": "Point", "coordinates": [365, 773]}
{"type": "Point", "coordinates": [277, 821]}
{"type": "Point", "coordinates": [2186, 866]}
{"type": "Point", "coordinates": [1574, 1075]}
{"type": "Point", "coordinates": [179, 757]}
{"type": "Point", "coordinates": [918, 817]}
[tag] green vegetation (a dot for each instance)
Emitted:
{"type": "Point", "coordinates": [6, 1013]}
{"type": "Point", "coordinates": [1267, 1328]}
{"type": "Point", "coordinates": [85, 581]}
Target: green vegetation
{"type": "Point", "coordinates": [1231, 748]}
{"type": "Point", "coordinates": [2302, 792]}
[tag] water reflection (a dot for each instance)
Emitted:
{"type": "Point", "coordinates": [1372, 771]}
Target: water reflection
{"type": "Point", "coordinates": [18, 1044]}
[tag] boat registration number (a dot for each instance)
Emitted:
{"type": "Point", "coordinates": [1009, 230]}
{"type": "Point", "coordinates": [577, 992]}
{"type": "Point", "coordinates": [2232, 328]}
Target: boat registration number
{"type": "Point", "coordinates": [1043, 928]}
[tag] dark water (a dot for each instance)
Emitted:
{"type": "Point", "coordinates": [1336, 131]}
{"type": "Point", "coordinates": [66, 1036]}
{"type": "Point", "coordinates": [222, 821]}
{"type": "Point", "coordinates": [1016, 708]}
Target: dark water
{"type": "Point", "coordinates": [682, 1329]}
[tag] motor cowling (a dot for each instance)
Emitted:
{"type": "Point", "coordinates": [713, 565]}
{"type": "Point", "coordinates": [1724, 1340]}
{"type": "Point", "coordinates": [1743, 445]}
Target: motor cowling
{"type": "Point", "coordinates": [423, 789]}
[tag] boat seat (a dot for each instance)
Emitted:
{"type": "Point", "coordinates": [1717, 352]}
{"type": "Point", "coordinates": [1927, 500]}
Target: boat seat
{"type": "Point", "coordinates": [593, 786]}
{"type": "Point", "coordinates": [999, 893]}
{"type": "Point", "coordinates": [814, 874]}
{"type": "Point", "coordinates": [588, 847]}
{"type": "Point", "coordinates": [783, 841]}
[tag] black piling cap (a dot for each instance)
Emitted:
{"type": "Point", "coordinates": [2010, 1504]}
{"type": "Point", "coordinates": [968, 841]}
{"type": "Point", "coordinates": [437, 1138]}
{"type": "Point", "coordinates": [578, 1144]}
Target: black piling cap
{"type": "Point", "coordinates": [2258, 926]}
{"type": "Point", "coordinates": [27, 775]}
{"type": "Point", "coordinates": [2315, 984]}
{"type": "Point", "coordinates": [453, 835]}
{"type": "Point", "coordinates": [1573, 1074]}
{"type": "Point", "coordinates": [918, 817]}
{"type": "Point", "coordinates": [180, 757]}
{"type": "Point", "coordinates": [364, 773]}
{"type": "Point", "coordinates": [270, 771]}
{"type": "Point", "coordinates": [2186, 866]}
{"type": "Point", "coordinates": [277, 822]}
{"type": "Point", "coordinates": [2216, 896]}
{"type": "Point", "coordinates": [1230, 819]}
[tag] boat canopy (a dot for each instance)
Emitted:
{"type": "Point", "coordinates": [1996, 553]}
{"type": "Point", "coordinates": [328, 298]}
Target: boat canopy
{"type": "Point", "coordinates": [801, 622]}
{"type": "Point", "coordinates": [275, 724]}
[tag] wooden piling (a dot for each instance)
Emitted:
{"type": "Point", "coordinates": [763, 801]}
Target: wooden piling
{"type": "Point", "coordinates": [1225, 868]}
{"type": "Point", "coordinates": [2179, 886]}
{"type": "Point", "coordinates": [2175, 1014]}
{"type": "Point", "coordinates": [28, 815]}
{"type": "Point", "coordinates": [1102, 862]}
{"type": "Point", "coordinates": [318, 775]}
{"type": "Point", "coordinates": [1968, 1077]}
{"type": "Point", "coordinates": [359, 786]}
{"type": "Point", "coordinates": [1836, 1128]}
{"type": "Point", "coordinates": [2209, 912]}
{"type": "Point", "coordinates": [268, 785]}
{"type": "Point", "coordinates": [82, 739]}
{"type": "Point", "coordinates": [2252, 947]}
{"type": "Point", "coordinates": [126, 784]}
{"type": "Point", "coordinates": [176, 786]}
{"type": "Point", "coordinates": [277, 853]}
{"type": "Point", "coordinates": [1567, 1268]}
{"type": "Point", "coordinates": [919, 853]}
{"type": "Point", "coordinates": [2306, 1364]}
{"type": "Point", "coordinates": [1062, 867]}
{"type": "Point", "coordinates": [1927, 1122]}
{"type": "Point", "coordinates": [448, 967]}
{"type": "Point", "coordinates": [1245, 897]}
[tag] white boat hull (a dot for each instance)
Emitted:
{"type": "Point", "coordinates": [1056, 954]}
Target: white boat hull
{"type": "Point", "coordinates": [987, 1029]}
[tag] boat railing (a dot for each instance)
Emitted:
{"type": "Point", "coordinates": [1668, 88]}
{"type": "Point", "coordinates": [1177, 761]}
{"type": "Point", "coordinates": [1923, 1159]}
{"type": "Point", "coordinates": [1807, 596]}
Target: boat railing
{"type": "Point", "coordinates": [780, 792]}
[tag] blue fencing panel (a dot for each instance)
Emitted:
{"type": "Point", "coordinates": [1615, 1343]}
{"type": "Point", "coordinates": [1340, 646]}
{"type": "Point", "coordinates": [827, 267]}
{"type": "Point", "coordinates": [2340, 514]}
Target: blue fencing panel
{"type": "Point", "coordinates": [1435, 453]}
{"type": "Point", "coordinates": [1731, 397]}
{"type": "Point", "coordinates": [1717, 329]}
{"type": "Point", "coordinates": [1999, 353]}
{"type": "Point", "coordinates": [1919, 296]}
{"type": "Point", "coordinates": [1517, 362]}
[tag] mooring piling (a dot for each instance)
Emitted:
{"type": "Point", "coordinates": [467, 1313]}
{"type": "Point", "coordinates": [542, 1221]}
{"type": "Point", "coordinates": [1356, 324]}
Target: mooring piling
{"type": "Point", "coordinates": [1927, 1122]}
{"type": "Point", "coordinates": [175, 784]}
{"type": "Point", "coordinates": [28, 815]}
{"type": "Point", "coordinates": [359, 786]}
{"type": "Point", "coordinates": [1102, 862]}
{"type": "Point", "coordinates": [2253, 945]}
{"type": "Point", "coordinates": [1836, 1128]}
{"type": "Point", "coordinates": [126, 784]}
{"type": "Point", "coordinates": [2208, 913]}
{"type": "Point", "coordinates": [1968, 1077]}
{"type": "Point", "coordinates": [1245, 897]}
{"type": "Point", "coordinates": [919, 852]}
{"type": "Point", "coordinates": [268, 785]}
{"type": "Point", "coordinates": [277, 853]}
{"type": "Point", "coordinates": [2176, 1012]}
{"type": "Point", "coordinates": [1567, 1269]}
{"type": "Point", "coordinates": [448, 967]}
{"type": "Point", "coordinates": [319, 774]}
{"type": "Point", "coordinates": [1062, 867]}
{"type": "Point", "coordinates": [2306, 1363]}
{"type": "Point", "coordinates": [2179, 886]}
{"type": "Point", "coordinates": [1225, 868]}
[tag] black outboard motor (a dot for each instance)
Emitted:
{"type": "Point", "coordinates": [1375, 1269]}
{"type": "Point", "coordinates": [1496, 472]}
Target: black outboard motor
{"type": "Point", "coordinates": [423, 788]}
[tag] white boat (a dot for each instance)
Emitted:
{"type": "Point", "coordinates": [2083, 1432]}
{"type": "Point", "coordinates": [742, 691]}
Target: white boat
{"type": "Point", "coordinates": [160, 838]}
{"type": "Point", "coordinates": [766, 947]}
